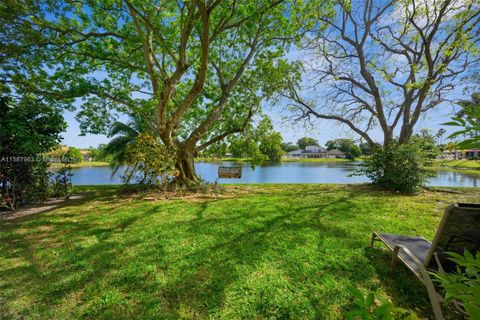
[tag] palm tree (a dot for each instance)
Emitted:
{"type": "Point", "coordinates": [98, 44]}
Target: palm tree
{"type": "Point", "coordinates": [125, 134]}
{"type": "Point", "coordinates": [440, 134]}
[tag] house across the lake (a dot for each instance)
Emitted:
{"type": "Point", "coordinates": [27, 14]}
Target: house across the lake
{"type": "Point", "coordinates": [86, 154]}
{"type": "Point", "coordinates": [460, 154]}
{"type": "Point", "coordinates": [472, 153]}
{"type": "Point", "coordinates": [294, 154]}
{"type": "Point", "coordinates": [315, 152]}
{"type": "Point", "coordinates": [335, 154]}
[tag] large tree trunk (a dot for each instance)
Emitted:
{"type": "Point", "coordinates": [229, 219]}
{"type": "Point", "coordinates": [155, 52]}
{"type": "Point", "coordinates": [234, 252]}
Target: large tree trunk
{"type": "Point", "coordinates": [405, 135]}
{"type": "Point", "coordinates": [185, 166]}
{"type": "Point", "coordinates": [387, 140]}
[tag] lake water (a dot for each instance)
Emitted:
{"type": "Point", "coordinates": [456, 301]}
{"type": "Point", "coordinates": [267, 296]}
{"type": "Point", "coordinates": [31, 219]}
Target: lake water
{"type": "Point", "coordinates": [285, 172]}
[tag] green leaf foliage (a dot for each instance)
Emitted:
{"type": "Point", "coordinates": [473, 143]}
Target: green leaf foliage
{"type": "Point", "coordinates": [202, 67]}
{"type": "Point", "coordinates": [29, 127]}
{"type": "Point", "coordinates": [307, 141]}
{"type": "Point", "coordinates": [370, 308]}
{"type": "Point", "coordinates": [260, 143]}
{"type": "Point", "coordinates": [397, 167]}
{"type": "Point", "coordinates": [469, 119]}
{"type": "Point", "coordinates": [463, 285]}
{"type": "Point", "coordinates": [72, 155]}
{"type": "Point", "coordinates": [148, 161]}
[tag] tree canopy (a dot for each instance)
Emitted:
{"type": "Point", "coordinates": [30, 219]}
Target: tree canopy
{"type": "Point", "coordinates": [200, 66]}
{"type": "Point", "coordinates": [386, 63]}
{"type": "Point", "coordinates": [307, 141]}
{"type": "Point", "coordinates": [259, 143]}
{"type": "Point", "coordinates": [288, 146]}
{"type": "Point", "coordinates": [28, 126]}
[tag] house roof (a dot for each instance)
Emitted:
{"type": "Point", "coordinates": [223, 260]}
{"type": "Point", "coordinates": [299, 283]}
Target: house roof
{"type": "Point", "coordinates": [310, 149]}
{"type": "Point", "coordinates": [313, 147]}
{"type": "Point", "coordinates": [295, 151]}
{"type": "Point", "coordinates": [335, 151]}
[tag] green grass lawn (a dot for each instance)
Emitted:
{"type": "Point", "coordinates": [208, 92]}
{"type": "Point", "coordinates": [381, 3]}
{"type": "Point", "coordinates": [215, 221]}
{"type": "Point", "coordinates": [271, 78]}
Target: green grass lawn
{"type": "Point", "coordinates": [256, 252]}
{"type": "Point", "coordinates": [82, 164]}
{"type": "Point", "coordinates": [473, 172]}
{"type": "Point", "coordinates": [462, 166]}
{"type": "Point", "coordinates": [468, 164]}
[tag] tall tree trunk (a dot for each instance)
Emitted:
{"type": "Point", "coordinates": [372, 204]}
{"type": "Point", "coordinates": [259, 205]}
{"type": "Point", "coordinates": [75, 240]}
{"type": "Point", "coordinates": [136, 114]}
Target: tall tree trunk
{"type": "Point", "coordinates": [185, 156]}
{"type": "Point", "coordinates": [185, 165]}
{"type": "Point", "coordinates": [387, 140]}
{"type": "Point", "coordinates": [405, 135]}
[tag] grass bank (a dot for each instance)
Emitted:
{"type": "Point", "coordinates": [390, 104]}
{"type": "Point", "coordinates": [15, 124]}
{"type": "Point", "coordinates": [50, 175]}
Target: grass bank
{"type": "Point", "coordinates": [458, 164]}
{"type": "Point", "coordinates": [282, 160]}
{"type": "Point", "coordinates": [82, 164]}
{"type": "Point", "coordinates": [471, 167]}
{"type": "Point", "coordinates": [473, 172]}
{"type": "Point", "coordinates": [276, 251]}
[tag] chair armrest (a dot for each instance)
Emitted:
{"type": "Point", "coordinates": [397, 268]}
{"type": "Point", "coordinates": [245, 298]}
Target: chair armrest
{"type": "Point", "coordinates": [419, 264]}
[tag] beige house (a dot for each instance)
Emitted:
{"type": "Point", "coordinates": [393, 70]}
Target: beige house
{"type": "Point", "coordinates": [459, 154]}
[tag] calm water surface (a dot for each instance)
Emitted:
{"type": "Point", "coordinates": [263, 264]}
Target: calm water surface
{"type": "Point", "coordinates": [285, 172]}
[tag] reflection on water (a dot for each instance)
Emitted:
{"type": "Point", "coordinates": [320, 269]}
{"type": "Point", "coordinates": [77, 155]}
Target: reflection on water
{"type": "Point", "coordinates": [286, 172]}
{"type": "Point", "coordinates": [454, 179]}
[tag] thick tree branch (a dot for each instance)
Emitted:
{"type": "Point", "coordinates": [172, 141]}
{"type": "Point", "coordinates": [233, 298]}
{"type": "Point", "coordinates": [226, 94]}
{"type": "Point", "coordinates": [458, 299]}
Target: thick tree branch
{"type": "Point", "coordinates": [225, 134]}
{"type": "Point", "coordinates": [215, 113]}
{"type": "Point", "coordinates": [202, 71]}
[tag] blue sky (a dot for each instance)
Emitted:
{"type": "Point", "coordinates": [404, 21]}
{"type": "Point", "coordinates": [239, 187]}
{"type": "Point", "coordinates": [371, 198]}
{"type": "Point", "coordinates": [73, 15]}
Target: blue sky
{"type": "Point", "coordinates": [71, 137]}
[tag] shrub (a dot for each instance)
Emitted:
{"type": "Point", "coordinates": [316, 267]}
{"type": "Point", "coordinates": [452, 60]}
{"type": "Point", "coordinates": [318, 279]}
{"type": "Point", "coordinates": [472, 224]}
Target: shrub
{"type": "Point", "coordinates": [149, 161]}
{"type": "Point", "coordinates": [464, 285]}
{"type": "Point", "coordinates": [200, 186]}
{"type": "Point", "coordinates": [29, 127]}
{"type": "Point", "coordinates": [398, 167]}
{"type": "Point", "coordinates": [62, 185]}
{"type": "Point", "coordinates": [23, 182]}
{"type": "Point", "coordinates": [38, 189]}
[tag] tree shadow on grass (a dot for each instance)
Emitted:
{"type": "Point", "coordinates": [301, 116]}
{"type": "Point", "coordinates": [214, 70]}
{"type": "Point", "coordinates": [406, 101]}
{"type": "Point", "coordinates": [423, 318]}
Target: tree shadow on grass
{"type": "Point", "coordinates": [209, 271]}
{"type": "Point", "coordinates": [81, 248]}
{"type": "Point", "coordinates": [121, 263]}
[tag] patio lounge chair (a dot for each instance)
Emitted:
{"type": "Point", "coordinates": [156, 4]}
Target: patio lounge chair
{"type": "Point", "coordinates": [458, 231]}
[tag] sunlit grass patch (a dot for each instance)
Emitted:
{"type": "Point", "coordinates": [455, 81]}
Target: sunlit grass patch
{"type": "Point", "coordinates": [276, 251]}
